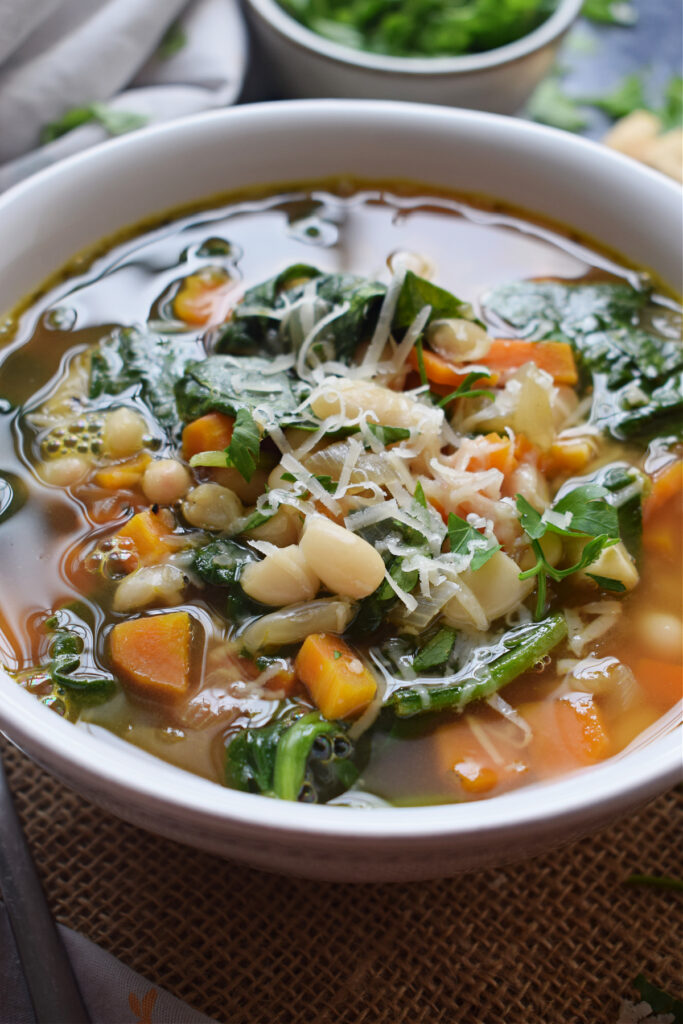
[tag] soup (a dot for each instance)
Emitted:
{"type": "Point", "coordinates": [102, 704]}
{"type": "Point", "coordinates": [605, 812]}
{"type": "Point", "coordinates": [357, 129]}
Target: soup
{"type": "Point", "coordinates": [348, 494]}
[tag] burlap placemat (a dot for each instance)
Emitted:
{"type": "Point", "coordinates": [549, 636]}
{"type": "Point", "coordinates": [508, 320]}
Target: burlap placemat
{"type": "Point", "coordinates": [555, 940]}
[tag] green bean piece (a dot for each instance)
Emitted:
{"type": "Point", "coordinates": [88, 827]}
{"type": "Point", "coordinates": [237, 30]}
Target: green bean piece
{"type": "Point", "coordinates": [523, 647]}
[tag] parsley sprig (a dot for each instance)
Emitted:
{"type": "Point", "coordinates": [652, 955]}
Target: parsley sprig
{"type": "Point", "coordinates": [592, 518]}
{"type": "Point", "coordinates": [465, 540]}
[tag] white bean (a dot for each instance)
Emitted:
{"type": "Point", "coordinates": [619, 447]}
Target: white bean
{"type": "Point", "coordinates": [281, 529]}
{"type": "Point", "coordinates": [336, 395]}
{"type": "Point", "coordinates": [65, 471]}
{"type": "Point", "coordinates": [212, 507]}
{"type": "Point", "coordinates": [123, 432]}
{"type": "Point", "coordinates": [155, 584]}
{"type": "Point", "coordinates": [496, 587]}
{"type": "Point", "coordinates": [662, 634]}
{"type": "Point", "coordinates": [166, 481]}
{"type": "Point", "coordinates": [346, 563]}
{"type": "Point", "coordinates": [282, 577]}
{"type": "Point", "coordinates": [459, 340]}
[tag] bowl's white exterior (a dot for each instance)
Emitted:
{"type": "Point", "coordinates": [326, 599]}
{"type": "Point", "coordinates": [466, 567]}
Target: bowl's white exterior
{"type": "Point", "coordinates": [304, 64]}
{"type": "Point", "coordinates": [71, 206]}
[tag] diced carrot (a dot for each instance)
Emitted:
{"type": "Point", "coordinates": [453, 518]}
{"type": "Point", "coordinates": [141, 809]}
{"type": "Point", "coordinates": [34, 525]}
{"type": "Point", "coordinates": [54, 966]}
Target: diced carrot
{"type": "Point", "coordinates": [568, 455]}
{"type": "Point", "coordinates": [151, 655]}
{"type": "Point", "coordinates": [335, 677]}
{"type": "Point", "coordinates": [201, 298]}
{"type": "Point", "coordinates": [475, 777]}
{"type": "Point", "coordinates": [665, 486]}
{"type": "Point", "coordinates": [497, 452]}
{"type": "Point", "coordinates": [443, 371]}
{"type": "Point", "coordinates": [209, 433]}
{"type": "Point", "coordinates": [461, 759]}
{"type": "Point", "coordinates": [555, 357]}
{"type": "Point", "coordinates": [661, 680]}
{"type": "Point", "coordinates": [566, 733]}
{"type": "Point", "coordinates": [123, 474]}
{"type": "Point", "coordinates": [149, 531]}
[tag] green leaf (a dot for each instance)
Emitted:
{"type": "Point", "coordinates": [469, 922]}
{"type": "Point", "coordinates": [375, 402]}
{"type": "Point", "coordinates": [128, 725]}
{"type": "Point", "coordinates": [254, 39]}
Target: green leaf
{"type": "Point", "coordinates": [659, 1001]}
{"type": "Point", "coordinates": [465, 540]}
{"type": "Point", "coordinates": [323, 479]}
{"type": "Point", "coordinates": [220, 564]}
{"type": "Point", "coordinates": [672, 111]}
{"type": "Point", "coordinates": [416, 293]}
{"type": "Point", "coordinates": [241, 454]}
{"type": "Point", "coordinates": [591, 514]}
{"type": "Point", "coordinates": [464, 390]}
{"type": "Point", "coordinates": [230, 383]}
{"type": "Point", "coordinates": [147, 364]}
{"type": "Point", "coordinates": [175, 39]}
{"type": "Point", "coordinates": [116, 122]}
{"type": "Point", "coordinates": [550, 105]}
{"type": "Point", "coordinates": [627, 96]}
{"type": "Point", "coordinates": [531, 520]}
{"type": "Point", "coordinates": [607, 583]}
{"type": "Point", "coordinates": [71, 119]}
{"type": "Point", "coordinates": [65, 660]}
{"type": "Point", "coordinates": [436, 651]}
{"type": "Point", "coordinates": [610, 12]}
{"type": "Point", "coordinates": [388, 435]}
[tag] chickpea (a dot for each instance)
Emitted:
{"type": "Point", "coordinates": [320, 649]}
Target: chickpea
{"type": "Point", "coordinates": [212, 507]}
{"type": "Point", "coordinates": [166, 481]}
{"type": "Point", "coordinates": [282, 529]}
{"type": "Point", "coordinates": [662, 634]}
{"type": "Point", "coordinates": [123, 432]}
{"type": "Point", "coordinates": [346, 563]}
{"type": "Point", "coordinates": [282, 577]}
{"type": "Point", "coordinates": [65, 471]}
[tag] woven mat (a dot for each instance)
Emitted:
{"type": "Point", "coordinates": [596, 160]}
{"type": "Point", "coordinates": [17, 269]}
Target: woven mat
{"type": "Point", "coordinates": [555, 940]}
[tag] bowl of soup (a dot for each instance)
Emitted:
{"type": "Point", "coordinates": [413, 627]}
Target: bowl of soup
{"type": "Point", "coordinates": [340, 496]}
{"type": "Point", "coordinates": [479, 55]}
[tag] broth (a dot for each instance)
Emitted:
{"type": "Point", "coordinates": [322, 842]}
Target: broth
{"type": "Point", "coordinates": [58, 555]}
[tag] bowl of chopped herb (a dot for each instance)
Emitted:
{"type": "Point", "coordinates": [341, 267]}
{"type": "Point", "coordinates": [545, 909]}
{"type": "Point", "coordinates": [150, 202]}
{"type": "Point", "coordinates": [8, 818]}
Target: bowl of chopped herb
{"type": "Point", "coordinates": [482, 54]}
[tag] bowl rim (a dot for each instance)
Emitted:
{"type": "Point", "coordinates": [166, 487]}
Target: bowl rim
{"type": "Point", "coordinates": [77, 753]}
{"type": "Point", "coordinates": [304, 38]}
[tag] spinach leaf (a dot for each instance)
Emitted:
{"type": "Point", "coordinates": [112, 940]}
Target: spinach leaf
{"type": "Point", "coordinates": [230, 383]}
{"type": "Point", "coordinates": [465, 540]}
{"type": "Point", "coordinates": [416, 293]}
{"type": "Point", "coordinates": [220, 563]}
{"type": "Point", "coordinates": [243, 451]}
{"type": "Point", "coordinates": [436, 651]}
{"type": "Point", "coordinates": [636, 377]}
{"type": "Point", "coordinates": [658, 1000]}
{"type": "Point", "coordinates": [622, 486]}
{"type": "Point", "coordinates": [487, 671]}
{"type": "Point", "coordinates": [299, 757]}
{"type": "Point", "coordinates": [149, 363]}
{"type": "Point", "coordinates": [276, 316]}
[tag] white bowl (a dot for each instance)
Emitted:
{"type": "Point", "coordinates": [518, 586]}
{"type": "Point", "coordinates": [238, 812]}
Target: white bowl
{"type": "Point", "coordinates": [69, 207]}
{"type": "Point", "coordinates": [305, 64]}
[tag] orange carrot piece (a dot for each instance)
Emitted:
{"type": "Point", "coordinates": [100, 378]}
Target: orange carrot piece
{"type": "Point", "coordinates": [339, 684]}
{"type": "Point", "coordinates": [148, 531]}
{"type": "Point", "coordinates": [661, 680]}
{"type": "Point", "coordinates": [567, 733]}
{"type": "Point", "coordinates": [497, 452]}
{"type": "Point", "coordinates": [201, 298]}
{"type": "Point", "coordinates": [555, 357]}
{"type": "Point", "coordinates": [665, 486]}
{"type": "Point", "coordinates": [475, 777]}
{"type": "Point", "coordinates": [442, 371]}
{"type": "Point", "coordinates": [209, 433]}
{"type": "Point", "coordinates": [151, 655]}
{"type": "Point", "coordinates": [284, 681]}
{"type": "Point", "coordinates": [123, 475]}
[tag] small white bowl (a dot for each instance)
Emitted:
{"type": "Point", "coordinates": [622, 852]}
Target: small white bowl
{"type": "Point", "coordinates": [501, 80]}
{"type": "Point", "coordinates": [71, 206]}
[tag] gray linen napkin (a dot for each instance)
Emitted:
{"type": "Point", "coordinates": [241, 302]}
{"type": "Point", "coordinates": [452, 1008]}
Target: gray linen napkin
{"type": "Point", "coordinates": [113, 994]}
{"type": "Point", "coordinates": [158, 59]}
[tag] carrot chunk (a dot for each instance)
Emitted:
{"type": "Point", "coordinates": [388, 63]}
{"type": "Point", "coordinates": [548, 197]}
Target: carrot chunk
{"type": "Point", "coordinates": [124, 474]}
{"type": "Point", "coordinates": [661, 680]}
{"type": "Point", "coordinates": [201, 298]}
{"type": "Point", "coordinates": [209, 433]}
{"type": "Point", "coordinates": [336, 679]}
{"type": "Point", "coordinates": [555, 357]}
{"type": "Point", "coordinates": [567, 733]}
{"type": "Point", "coordinates": [665, 486]}
{"type": "Point", "coordinates": [151, 655]}
{"type": "Point", "coordinates": [442, 371]}
{"type": "Point", "coordinates": [149, 532]}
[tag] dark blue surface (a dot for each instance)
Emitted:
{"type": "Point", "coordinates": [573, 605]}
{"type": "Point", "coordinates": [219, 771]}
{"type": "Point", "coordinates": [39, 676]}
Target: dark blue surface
{"type": "Point", "coordinates": [597, 57]}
